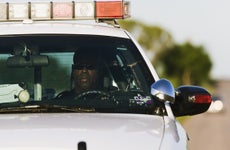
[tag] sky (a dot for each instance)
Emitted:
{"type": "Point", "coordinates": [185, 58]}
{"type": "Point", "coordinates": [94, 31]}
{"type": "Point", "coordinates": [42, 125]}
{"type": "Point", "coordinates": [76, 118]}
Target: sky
{"type": "Point", "coordinates": [202, 22]}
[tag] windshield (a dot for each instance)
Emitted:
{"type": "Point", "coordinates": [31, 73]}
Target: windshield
{"type": "Point", "coordinates": [73, 73]}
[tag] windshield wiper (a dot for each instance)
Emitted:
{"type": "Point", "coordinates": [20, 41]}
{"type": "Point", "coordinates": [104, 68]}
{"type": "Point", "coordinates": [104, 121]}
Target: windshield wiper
{"type": "Point", "coordinates": [44, 108]}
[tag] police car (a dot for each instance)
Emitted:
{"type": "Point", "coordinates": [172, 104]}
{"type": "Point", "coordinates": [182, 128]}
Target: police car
{"type": "Point", "coordinates": [133, 109]}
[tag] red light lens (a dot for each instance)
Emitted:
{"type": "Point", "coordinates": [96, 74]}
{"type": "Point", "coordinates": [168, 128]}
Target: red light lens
{"type": "Point", "coordinates": [109, 9]}
{"type": "Point", "coordinates": [62, 10]}
{"type": "Point", "coordinates": [203, 98]}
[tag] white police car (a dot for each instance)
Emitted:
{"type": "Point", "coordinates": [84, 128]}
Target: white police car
{"type": "Point", "coordinates": [133, 109]}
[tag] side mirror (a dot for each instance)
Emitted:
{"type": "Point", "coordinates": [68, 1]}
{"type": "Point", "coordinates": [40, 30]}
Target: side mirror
{"type": "Point", "coordinates": [163, 90]}
{"type": "Point", "coordinates": [185, 100]}
{"type": "Point", "coordinates": [191, 100]}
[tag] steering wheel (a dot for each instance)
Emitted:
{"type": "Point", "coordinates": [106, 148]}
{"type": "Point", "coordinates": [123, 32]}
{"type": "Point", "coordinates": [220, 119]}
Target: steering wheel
{"type": "Point", "coordinates": [93, 94]}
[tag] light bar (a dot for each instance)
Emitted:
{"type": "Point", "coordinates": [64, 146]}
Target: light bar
{"type": "Point", "coordinates": [3, 11]}
{"type": "Point", "coordinates": [62, 10]}
{"type": "Point", "coordinates": [84, 10]}
{"type": "Point", "coordinates": [109, 9]}
{"type": "Point", "coordinates": [40, 11]}
{"type": "Point", "coordinates": [103, 9]}
{"type": "Point", "coordinates": [18, 11]}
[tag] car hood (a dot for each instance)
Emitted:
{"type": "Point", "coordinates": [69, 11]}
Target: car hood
{"type": "Point", "coordinates": [65, 131]}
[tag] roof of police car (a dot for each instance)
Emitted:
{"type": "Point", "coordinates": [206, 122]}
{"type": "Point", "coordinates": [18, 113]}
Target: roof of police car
{"type": "Point", "coordinates": [61, 27]}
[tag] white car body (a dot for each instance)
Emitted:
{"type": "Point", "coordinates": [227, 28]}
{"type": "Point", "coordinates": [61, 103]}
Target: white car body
{"type": "Point", "coordinates": [97, 131]}
{"type": "Point", "coordinates": [100, 131]}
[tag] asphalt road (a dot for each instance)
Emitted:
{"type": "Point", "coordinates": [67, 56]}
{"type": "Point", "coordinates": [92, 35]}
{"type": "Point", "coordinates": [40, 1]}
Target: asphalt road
{"type": "Point", "coordinates": [210, 131]}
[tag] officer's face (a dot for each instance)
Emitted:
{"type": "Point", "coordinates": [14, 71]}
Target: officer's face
{"type": "Point", "coordinates": [85, 75]}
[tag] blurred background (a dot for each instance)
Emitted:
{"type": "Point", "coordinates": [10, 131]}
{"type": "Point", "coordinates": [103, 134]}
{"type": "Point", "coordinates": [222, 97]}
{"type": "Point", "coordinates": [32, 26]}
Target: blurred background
{"type": "Point", "coordinates": [187, 42]}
